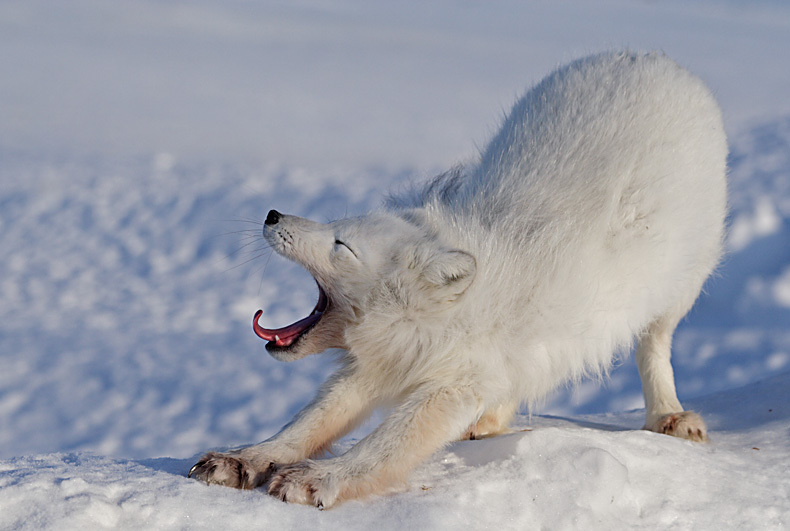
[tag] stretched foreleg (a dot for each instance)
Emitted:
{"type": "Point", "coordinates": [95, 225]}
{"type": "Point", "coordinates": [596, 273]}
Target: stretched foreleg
{"type": "Point", "coordinates": [429, 418]}
{"type": "Point", "coordinates": [341, 404]}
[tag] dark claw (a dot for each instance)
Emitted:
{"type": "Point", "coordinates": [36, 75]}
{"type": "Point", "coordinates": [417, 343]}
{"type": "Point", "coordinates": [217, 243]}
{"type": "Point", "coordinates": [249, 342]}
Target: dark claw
{"type": "Point", "coordinates": [196, 467]}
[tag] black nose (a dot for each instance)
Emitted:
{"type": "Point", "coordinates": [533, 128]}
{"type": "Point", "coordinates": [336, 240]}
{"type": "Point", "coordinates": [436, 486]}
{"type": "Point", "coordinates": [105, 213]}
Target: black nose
{"type": "Point", "coordinates": [272, 217]}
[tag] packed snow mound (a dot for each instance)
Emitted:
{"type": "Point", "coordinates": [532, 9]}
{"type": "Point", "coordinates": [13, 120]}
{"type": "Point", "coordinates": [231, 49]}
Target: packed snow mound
{"type": "Point", "coordinates": [597, 471]}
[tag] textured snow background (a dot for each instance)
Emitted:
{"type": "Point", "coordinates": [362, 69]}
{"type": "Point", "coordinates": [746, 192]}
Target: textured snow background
{"type": "Point", "coordinates": [141, 143]}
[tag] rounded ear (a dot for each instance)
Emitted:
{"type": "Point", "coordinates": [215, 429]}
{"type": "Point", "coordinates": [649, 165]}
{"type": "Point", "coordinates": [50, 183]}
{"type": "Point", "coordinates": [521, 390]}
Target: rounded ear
{"type": "Point", "coordinates": [449, 272]}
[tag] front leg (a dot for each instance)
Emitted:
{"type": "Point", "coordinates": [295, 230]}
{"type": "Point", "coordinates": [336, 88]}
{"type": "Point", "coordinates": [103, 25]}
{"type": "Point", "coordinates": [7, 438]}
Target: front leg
{"type": "Point", "coordinates": [428, 419]}
{"type": "Point", "coordinates": [339, 407]}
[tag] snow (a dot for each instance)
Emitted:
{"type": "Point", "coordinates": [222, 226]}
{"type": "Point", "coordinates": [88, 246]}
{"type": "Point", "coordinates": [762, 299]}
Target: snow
{"type": "Point", "coordinates": [594, 471]}
{"type": "Point", "coordinates": [342, 83]}
{"type": "Point", "coordinates": [142, 142]}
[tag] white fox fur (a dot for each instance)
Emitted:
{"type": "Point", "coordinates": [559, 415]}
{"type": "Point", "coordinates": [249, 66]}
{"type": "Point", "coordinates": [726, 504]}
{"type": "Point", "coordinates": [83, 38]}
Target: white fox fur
{"type": "Point", "coordinates": [591, 220]}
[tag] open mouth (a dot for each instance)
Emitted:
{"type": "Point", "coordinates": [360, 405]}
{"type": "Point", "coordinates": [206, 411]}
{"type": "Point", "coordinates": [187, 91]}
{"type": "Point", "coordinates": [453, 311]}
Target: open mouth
{"type": "Point", "coordinates": [285, 337]}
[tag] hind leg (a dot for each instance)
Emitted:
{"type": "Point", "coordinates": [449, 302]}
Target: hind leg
{"type": "Point", "coordinates": [664, 412]}
{"type": "Point", "coordinates": [495, 421]}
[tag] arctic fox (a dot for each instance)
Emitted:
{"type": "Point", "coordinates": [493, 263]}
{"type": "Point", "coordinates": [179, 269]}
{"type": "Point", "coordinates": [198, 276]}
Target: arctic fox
{"type": "Point", "coordinates": [588, 224]}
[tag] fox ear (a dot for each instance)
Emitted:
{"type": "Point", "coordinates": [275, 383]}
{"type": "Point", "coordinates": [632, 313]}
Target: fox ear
{"type": "Point", "coordinates": [450, 272]}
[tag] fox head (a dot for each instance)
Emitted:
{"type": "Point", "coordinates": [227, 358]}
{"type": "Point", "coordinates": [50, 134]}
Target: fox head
{"type": "Point", "coordinates": [378, 266]}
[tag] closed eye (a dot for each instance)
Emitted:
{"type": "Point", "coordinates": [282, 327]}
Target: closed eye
{"type": "Point", "coordinates": [338, 242]}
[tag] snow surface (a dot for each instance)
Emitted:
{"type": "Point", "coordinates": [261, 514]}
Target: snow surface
{"type": "Point", "coordinates": [142, 142]}
{"type": "Point", "coordinates": [583, 473]}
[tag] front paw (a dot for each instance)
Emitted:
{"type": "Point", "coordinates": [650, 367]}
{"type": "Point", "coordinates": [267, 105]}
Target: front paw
{"type": "Point", "coordinates": [305, 482]}
{"type": "Point", "coordinates": [230, 470]}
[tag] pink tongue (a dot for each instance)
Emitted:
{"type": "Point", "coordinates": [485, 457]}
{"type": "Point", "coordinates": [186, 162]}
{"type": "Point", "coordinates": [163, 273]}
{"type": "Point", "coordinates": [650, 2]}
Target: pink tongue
{"type": "Point", "coordinates": [283, 337]}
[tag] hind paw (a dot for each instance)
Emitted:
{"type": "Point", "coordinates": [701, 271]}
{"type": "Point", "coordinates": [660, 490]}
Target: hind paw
{"type": "Point", "coordinates": [493, 422]}
{"type": "Point", "coordinates": [685, 424]}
